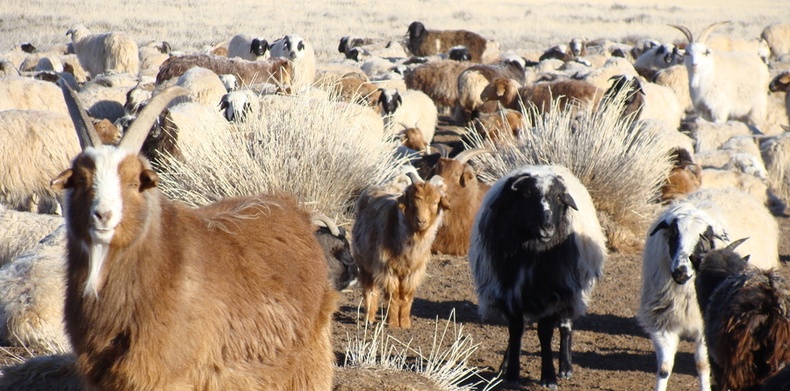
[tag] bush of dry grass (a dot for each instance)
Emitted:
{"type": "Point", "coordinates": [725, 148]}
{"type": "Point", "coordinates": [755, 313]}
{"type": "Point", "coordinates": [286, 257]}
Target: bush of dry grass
{"type": "Point", "coordinates": [622, 170]}
{"type": "Point", "coordinates": [314, 149]}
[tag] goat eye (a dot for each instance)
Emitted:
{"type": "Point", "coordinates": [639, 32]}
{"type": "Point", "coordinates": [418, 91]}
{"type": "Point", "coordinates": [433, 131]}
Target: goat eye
{"type": "Point", "coordinates": [134, 185]}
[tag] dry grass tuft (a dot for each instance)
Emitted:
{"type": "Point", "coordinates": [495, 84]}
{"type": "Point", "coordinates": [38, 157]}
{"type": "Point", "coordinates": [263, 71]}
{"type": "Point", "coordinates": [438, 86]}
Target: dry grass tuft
{"type": "Point", "coordinates": [314, 149]}
{"type": "Point", "coordinates": [622, 170]}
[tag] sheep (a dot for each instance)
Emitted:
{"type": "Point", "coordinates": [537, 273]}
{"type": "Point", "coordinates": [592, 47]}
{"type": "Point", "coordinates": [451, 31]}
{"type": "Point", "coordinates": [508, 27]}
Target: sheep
{"type": "Point", "coordinates": [571, 52]}
{"type": "Point", "coordinates": [668, 306]}
{"type": "Point", "coordinates": [204, 87]}
{"type": "Point", "coordinates": [659, 57]}
{"type": "Point", "coordinates": [464, 195]}
{"type": "Point", "coordinates": [709, 136]}
{"type": "Point", "coordinates": [31, 300]}
{"type": "Point", "coordinates": [716, 84]}
{"type": "Point", "coordinates": [248, 48]}
{"type": "Point", "coordinates": [301, 55]}
{"type": "Point", "coordinates": [21, 231]}
{"type": "Point", "coordinates": [137, 97]}
{"type": "Point", "coordinates": [713, 178]}
{"type": "Point", "coordinates": [725, 159]}
{"type": "Point", "coordinates": [153, 54]}
{"type": "Point", "coordinates": [438, 80]}
{"type": "Point", "coordinates": [423, 42]}
{"type": "Point", "coordinates": [273, 70]}
{"type": "Point", "coordinates": [34, 146]}
{"type": "Point", "coordinates": [102, 53]}
{"type": "Point", "coordinates": [370, 47]}
{"type": "Point", "coordinates": [410, 109]}
{"type": "Point", "coordinates": [8, 69]}
{"type": "Point", "coordinates": [24, 93]}
{"type": "Point", "coordinates": [391, 242]}
{"type": "Point", "coordinates": [537, 250]}
{"type": "Point", "coordinates": [135, 257]}
{"type": "Point", "coordinates": [777, 36]}
{"type": "Point", "coordinates": [746, 312]}
{"type": "Point", "coordinates": [600, 77]}
{"type": "Point", "coordinates": [474, 79]}
{"type": "Point", "coordinates": [343, 270]}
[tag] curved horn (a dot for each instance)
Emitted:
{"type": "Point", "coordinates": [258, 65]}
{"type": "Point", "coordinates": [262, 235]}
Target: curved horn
{"type": "Point", "coordinates": [735, 244]}
{"type": "Point", "coordinates": [704, 34]}
{"type": "Point", "coordinates": [86, 133]}
{"type": "Point", "coordinates": [415, 178]}
{"type": "Point", "coordinates": [685, 31]}
{"type": "Point", "coordinates": [135, 136]}
{"type": "Point", "coordinates": [464, 156]}
{"type": "Point", "coordinates": [328, 223]}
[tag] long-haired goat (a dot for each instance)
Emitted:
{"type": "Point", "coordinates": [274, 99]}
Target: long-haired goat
{"type": "Point", "coordinates": [391, 239]}
{"type": "Point", "coordinates": [746, 312]}
{"type": "Point", "coordinates": [233, 295]}
{"type": "Point", "coordinates": [464, 194]}
{"type": "Point", "coordinates": [668, 308]}
{"type": "Point", "coordinates": [424, 42]}
{"type": "Point", "coordinates": [537, 251]}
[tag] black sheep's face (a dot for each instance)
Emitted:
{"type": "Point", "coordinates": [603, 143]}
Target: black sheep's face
{"type": "Point", "coordinates": [540, 204]}
{"type": "Point", "coordinates": [416, 31]}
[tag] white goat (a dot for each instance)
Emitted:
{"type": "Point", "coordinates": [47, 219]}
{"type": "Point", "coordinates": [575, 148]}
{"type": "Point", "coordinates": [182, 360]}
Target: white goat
{"type": "Point", "coordinates": [725, 85]}
{"type": "Point", "coordinates": [669, 306]}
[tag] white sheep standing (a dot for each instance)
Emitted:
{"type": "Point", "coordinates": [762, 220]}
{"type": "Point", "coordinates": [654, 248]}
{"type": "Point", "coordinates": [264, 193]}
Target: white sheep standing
{"type": "Point", "coordinates": [411, 109]}
{"type": "Point", "coordinates": [301, 54]}
{"type": "Point", "coordinates": [725, 85]}
{"type": "Point", "coordinates": [32, 295]}
{"type": "Point", "coordinates": [107, 52]}
{"type": "Point", "coordinates": [669, 308]}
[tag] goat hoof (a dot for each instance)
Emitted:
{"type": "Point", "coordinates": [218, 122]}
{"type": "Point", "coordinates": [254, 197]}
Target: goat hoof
{"type": "Point", "coordinates": [550, 384]}
{"type": "Point", "coordinates": [567, 374]}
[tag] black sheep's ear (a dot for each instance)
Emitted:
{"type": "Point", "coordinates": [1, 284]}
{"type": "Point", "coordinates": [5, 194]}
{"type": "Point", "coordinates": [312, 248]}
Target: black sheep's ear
{"type": "Point", "coordinates": [568, 200]}
{"type": "Point", "coordinates": [662, 225]}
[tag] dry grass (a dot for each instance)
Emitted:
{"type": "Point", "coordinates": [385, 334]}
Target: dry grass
{"type": "Point", "coordinates": [313, 149]}
{"type": "Point", "coordinates": [622, 170]}
{"type": "Point", "coordinates": [523, 25]}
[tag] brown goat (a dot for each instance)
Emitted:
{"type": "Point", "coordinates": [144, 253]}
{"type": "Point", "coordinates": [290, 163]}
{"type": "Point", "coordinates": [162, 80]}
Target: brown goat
{"type": "Point", "coordinates": [230, 296]}
{"type": "Point", "coordinates": [275, 70]}
{"type": "Point", "coordinates": [464, 194]}
{"type": "Point", "coordinates": [413, 138]}
{"type": "Point", "coordinates": [574, 92]}
{"type": "Point", "coordinates": [424, 42]}
{"type": "Point", "coordinates": [438, 80]}
{"type": "Point", "coordinates": [684, 179]}
{"type": "Point", "coordinates": [495, 125]}
{"type": "Point", "coordinates": [392, 237]}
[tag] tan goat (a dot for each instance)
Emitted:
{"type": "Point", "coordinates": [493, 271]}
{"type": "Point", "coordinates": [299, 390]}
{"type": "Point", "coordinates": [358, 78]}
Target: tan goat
{"type": "Point", "coordinates": [230, 296]}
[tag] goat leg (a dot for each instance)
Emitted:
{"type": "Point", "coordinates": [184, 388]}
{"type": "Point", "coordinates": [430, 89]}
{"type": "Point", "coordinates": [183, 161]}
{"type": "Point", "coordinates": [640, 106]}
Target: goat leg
{"type": "Point", "coordinates": [548, 377]}
{"type": "Point", "coordinates": [566, 340]}
{"type": "Point", "coordinates": [511, 360]}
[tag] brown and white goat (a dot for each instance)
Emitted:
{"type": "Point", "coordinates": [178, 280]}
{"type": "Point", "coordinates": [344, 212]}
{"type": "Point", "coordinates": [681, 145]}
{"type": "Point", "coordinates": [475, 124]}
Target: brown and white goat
{"type": "Point", "coordinates": [464, 195]}
{"type": "Point", "coordinates": [230, 296]}
{"type": "Point", "coordinates": [392, 237]}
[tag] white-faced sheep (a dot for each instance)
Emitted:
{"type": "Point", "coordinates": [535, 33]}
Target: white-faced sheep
{"type": "Point", "coordinates": [135, 259]}
{"type": "Point", "coordinates": [746, 312]}
{"type": "Point", "coordinates": [24, 93]}
{"type": "Point", "coordinates": [537, 251]}
{"type": "Point", "coordinates": [31, 298]}
{"type": "Point", "coordinates": [34, 147]}
{"type": "Point", "coordinates": [464, 195]}
{"type": "Point", "coordinates": [248, 48]}
{"type": "Point", "coordinates": [668, 308]}
{"type": "Point", "coordinates": [391, 239]}
{"type": "Point", "coordinates": [571, 52]}
{"type": "Point", "coordinates": [424, 42]}
{"type": "Point", "coordinates": [777, 36]}
{"type": "Point", "coordinates": [273, 70]}
{"type": "Point", "coordinates": [410, 109]}
{"type": "Point", "coordinates": [659, 57]}
{"type": "Point", "coordinates": [107, 52]}
{"type": "Point", "coordinates": [301, 55]}
{"type": "Point", "coordinates": [718, 88]}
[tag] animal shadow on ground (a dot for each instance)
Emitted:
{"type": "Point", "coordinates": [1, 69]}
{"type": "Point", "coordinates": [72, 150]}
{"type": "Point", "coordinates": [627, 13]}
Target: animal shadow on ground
{"type": "Point", "coordinates": [609, 324]}
{"type": "Point", "coordinates": [465, 311]}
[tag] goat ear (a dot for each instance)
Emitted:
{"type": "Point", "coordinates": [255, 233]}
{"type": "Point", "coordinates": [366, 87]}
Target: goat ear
{"type": "Point", "coordinates": [148, 180]}
{"type": "Point", "coordinates": [467, 175]}
{"type": "Point", "coordinates": [568, 200]}
{"type": "Point", "coordinates": [662, 225]}
{"type": "Point", "coordinates": [444, 203]}
{"type": "Point", "coordinates": [62, 181]}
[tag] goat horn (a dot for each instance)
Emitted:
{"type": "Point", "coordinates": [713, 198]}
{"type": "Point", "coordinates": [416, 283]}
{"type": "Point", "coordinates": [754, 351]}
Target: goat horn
{"type": "Point", "coordinates": [86, 133]}
{"type": "Point", "coordinates": [415, 178]}
{"type": "Point", "coordinates": [685, 31]}
{"type": "Point", "coordinates": [704, 34]}
{"type": "Point", "coordinates": [735, 244]}
{"type": "Point", "coordinates": [464, 156]}
{"type": "Point", "coordinates": [134, 137]}
{"type": "Point", "coordinates": [319, 218]}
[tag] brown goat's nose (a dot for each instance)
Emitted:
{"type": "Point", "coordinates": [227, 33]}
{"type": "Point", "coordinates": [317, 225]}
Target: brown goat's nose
{"type": "Point", "coordinates": [102, 217]}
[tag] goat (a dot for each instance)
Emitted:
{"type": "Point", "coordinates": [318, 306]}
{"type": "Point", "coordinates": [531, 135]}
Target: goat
{"type": "Point", "coordinates": [391, 239]}
{"type": "Point", "coordinates": [424, 42]}
{"type": "Point", "coordinates": [343, 271]}
{"type": "Point", "coordinates": [140, 268]}
{"type": "Point", "coordinates": [746, 313]}
{"type": "Point", "coordinates": [273, 70]}
{"type": "Point", "coordinates": [537, 251]}
{"type": "Point", "coordinates": [685, 177]}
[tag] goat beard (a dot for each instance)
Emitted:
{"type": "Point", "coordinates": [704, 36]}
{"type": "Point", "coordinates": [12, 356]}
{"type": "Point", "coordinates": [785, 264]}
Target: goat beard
{"type": "Point", "coordinates": [96, 257]}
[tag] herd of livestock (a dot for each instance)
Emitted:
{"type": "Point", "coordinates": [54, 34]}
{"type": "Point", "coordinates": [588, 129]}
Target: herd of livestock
{"type": "Point", "coordinates": [138, 291]}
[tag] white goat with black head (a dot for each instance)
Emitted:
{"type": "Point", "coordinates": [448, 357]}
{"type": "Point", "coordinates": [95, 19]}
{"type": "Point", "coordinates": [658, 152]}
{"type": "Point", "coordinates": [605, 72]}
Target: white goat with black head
{"type": "Point", "coordinates": [537, 251]}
